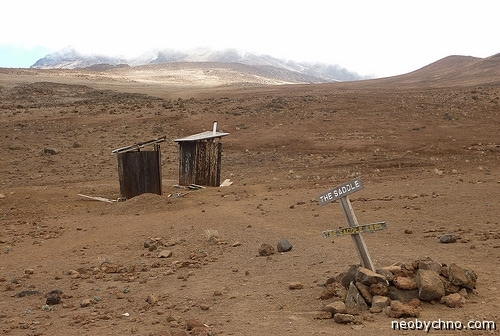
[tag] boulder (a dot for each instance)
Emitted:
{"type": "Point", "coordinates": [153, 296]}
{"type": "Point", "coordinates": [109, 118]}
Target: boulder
{"type": "Point", "coordinates": [405, 283]}
{"type": "Point", "coordinates": [354, 300]}
{"type": "Point", "coordinates": [398, 309]}
{"type": "Point", "coordinates": [462, 277]}
{"type": "Point", "coordinates": [368, 277]}
{"type": "Point", "coordinates": [379, 303]}
{"type": "Point", "coordinates": [430, 286]}
{"type": "Point", "coordinates": [402, 295]}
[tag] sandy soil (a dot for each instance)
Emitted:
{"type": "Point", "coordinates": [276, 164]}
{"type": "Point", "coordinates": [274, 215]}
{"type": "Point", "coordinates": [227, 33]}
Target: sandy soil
{"type": "Point", "coordinates": [428, 159]}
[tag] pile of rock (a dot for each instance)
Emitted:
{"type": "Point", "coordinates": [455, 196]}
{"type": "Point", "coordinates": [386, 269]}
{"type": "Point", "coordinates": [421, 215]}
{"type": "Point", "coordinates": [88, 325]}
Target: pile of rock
{"type": "Point", "coordinates": [397, 290]}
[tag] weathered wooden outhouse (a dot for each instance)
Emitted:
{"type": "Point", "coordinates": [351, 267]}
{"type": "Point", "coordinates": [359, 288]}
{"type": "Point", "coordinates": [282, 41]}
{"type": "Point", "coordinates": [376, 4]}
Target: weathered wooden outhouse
{"type": "Point", "coordinates": [139, 171]}
{"type": "Point", "coordinates": [200, 158]}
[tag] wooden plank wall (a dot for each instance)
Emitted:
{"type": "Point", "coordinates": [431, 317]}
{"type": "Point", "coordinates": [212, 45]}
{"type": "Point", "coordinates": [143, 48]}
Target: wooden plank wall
{"type": "Point", "coordinates": [139, 172]}
{"type": "Point", "coordinates": [200, 163]}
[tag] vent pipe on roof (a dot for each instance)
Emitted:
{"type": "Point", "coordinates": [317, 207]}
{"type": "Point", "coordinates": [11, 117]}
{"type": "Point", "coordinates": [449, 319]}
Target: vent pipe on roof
{"type": "Point", "coordinates": [215, 127]}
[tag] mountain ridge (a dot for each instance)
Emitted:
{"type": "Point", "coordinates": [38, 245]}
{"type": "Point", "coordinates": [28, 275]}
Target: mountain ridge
{"type": "Point", "coordinates": [303, 72]}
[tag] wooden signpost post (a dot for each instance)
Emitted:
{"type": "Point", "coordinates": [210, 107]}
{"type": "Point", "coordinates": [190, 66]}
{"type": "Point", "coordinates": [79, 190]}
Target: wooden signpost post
{"type": "Point", "coordinates": [341, 193]}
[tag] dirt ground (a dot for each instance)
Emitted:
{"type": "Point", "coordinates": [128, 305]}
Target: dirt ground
{"type": "Point", "coordinates": [429, 159]}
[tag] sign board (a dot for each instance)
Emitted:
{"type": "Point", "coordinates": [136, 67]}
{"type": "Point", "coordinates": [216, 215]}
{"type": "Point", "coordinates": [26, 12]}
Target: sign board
{"type": "Point", "coordinates": [340, 191]}
{"type": "Point", "coordinates": [355, 230]}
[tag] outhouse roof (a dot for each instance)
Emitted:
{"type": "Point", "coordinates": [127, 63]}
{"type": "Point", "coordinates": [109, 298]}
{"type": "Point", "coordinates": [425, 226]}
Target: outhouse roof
{"type": "Point", "coordinates": [202, 136]}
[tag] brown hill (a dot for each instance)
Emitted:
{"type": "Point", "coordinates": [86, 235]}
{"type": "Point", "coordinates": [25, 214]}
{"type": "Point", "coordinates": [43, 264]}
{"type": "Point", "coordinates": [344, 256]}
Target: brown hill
{"type": "Point", "coordinates": [451, 71]}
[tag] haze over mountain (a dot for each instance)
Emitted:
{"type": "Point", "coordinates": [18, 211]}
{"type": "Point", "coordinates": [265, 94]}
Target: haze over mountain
{"type": "Point", "coordinates": [69, 58]}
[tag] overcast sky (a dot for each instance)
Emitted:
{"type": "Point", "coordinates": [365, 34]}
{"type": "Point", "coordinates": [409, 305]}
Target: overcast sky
{"type": "Point", "coordinates": [370, 37]}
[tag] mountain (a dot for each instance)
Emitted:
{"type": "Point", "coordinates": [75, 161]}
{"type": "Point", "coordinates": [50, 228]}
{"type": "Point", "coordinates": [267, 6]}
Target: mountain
{"type": "Point", "coordinates": [454, 70]}
{"type": "Point", "coordinates": [69, 58]}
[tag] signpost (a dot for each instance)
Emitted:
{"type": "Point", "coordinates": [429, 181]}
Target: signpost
{"type": "Point", "coordinates": [341, 193]}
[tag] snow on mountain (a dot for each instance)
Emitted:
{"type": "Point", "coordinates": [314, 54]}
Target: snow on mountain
{"type": "Point", "coordinates": [69, 58]}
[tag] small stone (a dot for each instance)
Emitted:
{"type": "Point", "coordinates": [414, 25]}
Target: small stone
{"type": "Point", "coordinates": [204, 306]}
{"type": "Point", "coordinates": [29, 271]}
{"type": "Point", "coordinates": [165, 254]}
{"type": "Point", "coordinates": [266, 250]}
{"type": "Point", "coordinates": [53, 297]}
{"type": "Point", "coordinates": [379, 303]}
{"type": "Point", "coordinates": [405, 283]}
{"type": "Point", "coordinates": [397, 309]}
{"type": "Point", "coordinates": [344, 318]}
{"type": "Point", "coordinates": [414, 303]}
{"type": "Point", "coordinates": [453, 300]}
{"type": "Point", "coordinates": [365, 292]}
{"type": "Point", "coordinates": [408, 231]}
{"type": "Point", "coordinates": [236, 244]}
{"type": "Point", "coordinates": [85, 303]}
{"type": "Point", "coordinates": [379, 289]}
{"type": "Point", "coordinates": [349, 276]}
{"type": "Point", "coordinates": [368, 277]}
{"type": "Point", "coordinates": [295, 285]}
{"type": "Point", "coordinates": [336, 307]}
{"type": "Point", "coordinates": [448, 238]}
{"type": "Point", "coordinates": [284, 246]}
{"type": "Point", "coordinates": [152, 299]}
{"type": "Point", "coordinates": [402, 295]}
{"type": "Point", "coordinates": [192, 323]}
{"type": "Point", "coordinates": [430, 265]}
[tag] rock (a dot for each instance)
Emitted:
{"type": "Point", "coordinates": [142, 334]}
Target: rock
{"type": "Point", "coordinates": [368, 277]}
{"type": "Point", "coordinates": [386, 274]}
{"type": "Point", "coordinates": [430, 265]}
{"type": "Point", "coordinates": [430, 286]}
{"type": "Point", "coordinates": [152, 299]}
{"type": "Point", "coordinates": [193, 323]}
{"type": "Point", "coordinates": [336, 307]}
{"type": "Point", "coordinates": [344, 318]}
{"type": "Point", "coordinates": [349, 276]}
{"type": "Point", "coordinates": [53, 297]}
{"type": "Point", "coordinates": [379, 289]}
{"type": "Point", "coordinates": [453, 300]}
{"type": "Point", "coordinates": [266, 250]}
{"type": "Point", "coordinates": [284, 246]}
{"type": "Point", "coordinates": [397, 309]}
{"type": "Point", "coordinates": [165, 254]}
{"type": "Point", "coordinates": [449, 287]}
{"type": "Point", "coordinates": [85, 303]}
{"type": "Point", "coordinates": [334, 290]}
{"type": "Point", "coordinates": [295, 285]}
{"type": "Point", "coordinates": [379, 303]}
{"type": "Point", "coordinates": [405, 283]}
{"type": "Point", "coordinates": [402, 295]}
{"type": "Point", "coordinates": [365, 292]}
{"type": "Point", "coordinates": [354, 300]}
{"type": "Point", "coordinates": [414, 303]}
{"type": "Point", "coordinates": [448, 238]}
{"type": "Point", "coordinates": [462, 277]}
{"type": "Point", "coordinates": [2, 196]}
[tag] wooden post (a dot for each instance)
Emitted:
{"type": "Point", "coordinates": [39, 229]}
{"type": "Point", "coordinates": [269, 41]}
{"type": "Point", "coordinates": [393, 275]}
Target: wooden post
{"type": "Point", "coordinates": [341, 193]}
{"type": "Point", "coordinates": [358, 240]}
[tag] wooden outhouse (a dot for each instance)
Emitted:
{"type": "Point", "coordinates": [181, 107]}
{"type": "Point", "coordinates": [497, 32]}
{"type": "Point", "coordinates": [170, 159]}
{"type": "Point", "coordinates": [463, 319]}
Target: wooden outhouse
{"type": "Point", "coordinates": [200, 158]}
{"type": "Point", "coordinates": [139, 171]}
